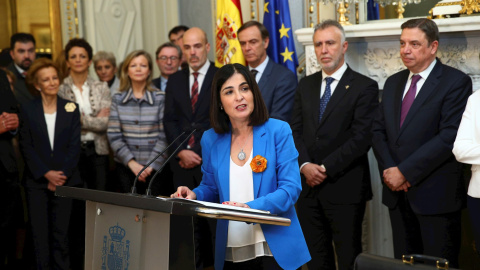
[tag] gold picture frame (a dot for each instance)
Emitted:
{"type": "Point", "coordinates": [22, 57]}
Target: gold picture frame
{"type": "Point", "coordinates": [42, 34]}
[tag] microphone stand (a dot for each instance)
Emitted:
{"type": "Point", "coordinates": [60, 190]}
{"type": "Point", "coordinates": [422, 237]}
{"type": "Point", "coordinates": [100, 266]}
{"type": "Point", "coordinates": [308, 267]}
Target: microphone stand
{"type": "Point", "coordinates": [134, 187]}
{"type": "Point", "coordinates": [149, 191]}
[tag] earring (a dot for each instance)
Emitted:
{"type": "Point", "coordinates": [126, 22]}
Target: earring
{"type": "Point", "coordinates": [221, 107]}
{"type": "Point", "coordinates": [39, 90]}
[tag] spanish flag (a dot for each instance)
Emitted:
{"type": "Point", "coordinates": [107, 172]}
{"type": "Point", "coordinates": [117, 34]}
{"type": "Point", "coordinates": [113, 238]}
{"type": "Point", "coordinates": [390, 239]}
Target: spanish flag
{"type": "Point", "coordinates": [229, 19]}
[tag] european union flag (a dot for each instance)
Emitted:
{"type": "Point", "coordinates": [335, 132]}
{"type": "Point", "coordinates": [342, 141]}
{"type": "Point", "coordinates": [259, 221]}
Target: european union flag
{"type": "Point", "coordinates": [277, 21]}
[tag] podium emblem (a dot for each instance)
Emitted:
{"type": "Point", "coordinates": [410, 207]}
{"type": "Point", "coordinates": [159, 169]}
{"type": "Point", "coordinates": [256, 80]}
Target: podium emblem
{"type": "Point", "coordinates": [115, 251]}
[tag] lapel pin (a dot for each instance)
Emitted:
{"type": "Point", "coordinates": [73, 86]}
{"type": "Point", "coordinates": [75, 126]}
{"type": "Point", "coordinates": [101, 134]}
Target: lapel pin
{"type": "Point", "coordinates": [70, 107]}
{"type": "Point", "coordinates": [347, 86]}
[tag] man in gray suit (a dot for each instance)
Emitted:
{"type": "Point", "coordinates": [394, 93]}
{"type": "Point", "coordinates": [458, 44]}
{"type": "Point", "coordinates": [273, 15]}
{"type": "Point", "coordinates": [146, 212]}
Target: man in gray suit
{"type": "Point", "coordinates": [22, 50]}
{"type": "Point", "coordinates": [276, 82]}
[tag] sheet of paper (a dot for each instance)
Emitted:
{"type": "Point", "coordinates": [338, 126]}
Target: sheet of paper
{"type": "Point", "coordinates": [217, 205]}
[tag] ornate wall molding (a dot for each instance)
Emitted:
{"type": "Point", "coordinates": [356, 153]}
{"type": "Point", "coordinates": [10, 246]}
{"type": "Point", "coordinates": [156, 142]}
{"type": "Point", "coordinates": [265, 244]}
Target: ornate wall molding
{"type": "Point", "coordinates": [114, 25]}
{"type": "Point", "coordinates": [119, 26]}
{"type": "Point", "coordinates": [71, 15]}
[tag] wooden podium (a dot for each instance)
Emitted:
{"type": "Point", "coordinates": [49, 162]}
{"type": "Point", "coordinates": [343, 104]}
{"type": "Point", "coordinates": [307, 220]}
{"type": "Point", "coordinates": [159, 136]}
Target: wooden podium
{"type": "Point", "coordinates": [126, 231]}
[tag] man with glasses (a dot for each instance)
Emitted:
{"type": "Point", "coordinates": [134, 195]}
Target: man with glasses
{"type": "Point", "coordinates": [168, 61]}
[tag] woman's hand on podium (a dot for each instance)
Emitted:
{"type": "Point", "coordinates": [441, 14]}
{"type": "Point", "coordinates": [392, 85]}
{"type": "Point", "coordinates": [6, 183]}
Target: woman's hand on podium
{"type": "Point", "coordinates": [236, 204]}
{"type": "Point", "coordinates": [184, 192]}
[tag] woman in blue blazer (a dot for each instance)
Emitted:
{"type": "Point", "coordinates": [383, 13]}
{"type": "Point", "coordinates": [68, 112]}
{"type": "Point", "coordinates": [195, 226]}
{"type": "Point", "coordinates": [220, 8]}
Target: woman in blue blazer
{"type": "Point", "coordinates": [260, 171]}
{"type": "Point", "coordinates": [50, 144]}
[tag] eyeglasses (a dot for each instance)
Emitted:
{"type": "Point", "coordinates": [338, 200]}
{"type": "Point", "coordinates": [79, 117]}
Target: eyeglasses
{"type": "Point", "coordinates": [164, 58]}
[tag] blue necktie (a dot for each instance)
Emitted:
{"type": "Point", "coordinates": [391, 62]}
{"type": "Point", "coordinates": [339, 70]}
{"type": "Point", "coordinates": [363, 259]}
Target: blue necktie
{"type": "Point", "coordinates": [326, 97]}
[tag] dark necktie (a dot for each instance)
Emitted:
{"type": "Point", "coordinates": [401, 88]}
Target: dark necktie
{"type": "Point", "coordinates": [326, 97]}
{"type": "Point", "coordinates": [254, 73]}
{"type": "Point", "coordinates": [194, 93]}
{"type": "Point", "coordinates": [409, 98]}
{"type": "Point", "coordinates": [194, 98]}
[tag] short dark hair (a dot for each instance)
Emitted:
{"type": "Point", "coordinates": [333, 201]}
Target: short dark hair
{"type": "Point", "coordinates": [168, 45]}
{"type": "Point", "coordinates": [427, 26]}
{"type": "Point", "coordinates": [263, 30]}
{"type": "Point", "coordinates": [218, 118]}
{"type": "Point", "coordinates": [78, 42]}
{"type": "Point", "coordinates": [22, 38]}
{"type": "Point", "coordinates": [177, 29]}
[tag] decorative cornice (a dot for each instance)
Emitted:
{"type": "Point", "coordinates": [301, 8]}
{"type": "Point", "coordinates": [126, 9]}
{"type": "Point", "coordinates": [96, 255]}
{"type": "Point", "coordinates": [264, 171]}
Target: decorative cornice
{"type": "Point", "coordinates": [387, 28]}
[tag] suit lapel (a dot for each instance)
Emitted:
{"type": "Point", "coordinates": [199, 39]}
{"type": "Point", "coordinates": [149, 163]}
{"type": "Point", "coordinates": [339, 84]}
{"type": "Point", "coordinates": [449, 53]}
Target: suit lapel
{"type": "Point", "coordinates": [427, 89]}
{"type": "Point", "coordinates": [263, 83]}
{"type": "Point", "coordinates": [259, 148]}
{"type": "Point", "coordinates": [184, 93]}
{"type": "Point", "coordinates": [342, 88]}
{"type": "Point", "coordinates": [59, 121]}
{"type": "Point", "coordinates": [397, 101]}
{"type": "Point", "coordinates": [204, 95]}
{"type": "Point", "coordinates": [223, 147]}
{"type": "Point", "coordinates": [314, 97]}
{"type": "Point", "coordinates": [40, 119]}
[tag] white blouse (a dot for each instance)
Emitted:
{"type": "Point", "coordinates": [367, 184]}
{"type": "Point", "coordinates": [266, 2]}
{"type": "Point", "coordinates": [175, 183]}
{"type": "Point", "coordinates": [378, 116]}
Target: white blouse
{"type": "Point", "coordinates": [245, 241]}
{"type": "Point", "coordinates": [467, 144]}
{"type": "Point", "coordinates": [50, 119]}
{"type": "Point", "coordinates": [83, 100]}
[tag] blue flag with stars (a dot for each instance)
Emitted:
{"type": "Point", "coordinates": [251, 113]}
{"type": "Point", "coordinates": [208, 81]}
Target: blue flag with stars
{"type": "Point", "coordinates": [277, 21]}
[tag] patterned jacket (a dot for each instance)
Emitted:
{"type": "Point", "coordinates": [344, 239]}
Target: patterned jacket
{"type": "Point", "coordinates": [135, 128]}
{"type": "Point", "coordinates": [100, 98]}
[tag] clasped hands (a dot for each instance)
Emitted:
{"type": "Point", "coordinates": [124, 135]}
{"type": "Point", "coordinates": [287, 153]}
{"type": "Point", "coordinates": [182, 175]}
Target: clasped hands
{"type": "Point", "coordinates": [395, 180]}
{"type": "Point", "coordinates": [136, 167]}
{"type": "Point", "coordinates": [8, 122]}
{"type": "Point", "coordinates": [55, 178]}
{"type": "Point", "coordinates": [314, 174]}
{"type": "Point", "coordinates": [189, 159]}
{"type": "Point", "coordinates": [186, 193]}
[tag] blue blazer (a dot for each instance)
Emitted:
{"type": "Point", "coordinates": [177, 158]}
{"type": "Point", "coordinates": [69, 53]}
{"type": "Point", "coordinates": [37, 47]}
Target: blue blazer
{"type": "Point", "coordinates": [35, 145]}
{"type": "Point", "coordinates": [277, 86]}
{"type": "Point", "coordinates": [275, 190]}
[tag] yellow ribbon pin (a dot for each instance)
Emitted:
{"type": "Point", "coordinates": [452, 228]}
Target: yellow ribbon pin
{"type": "Point", "coordinates": [70, 107]}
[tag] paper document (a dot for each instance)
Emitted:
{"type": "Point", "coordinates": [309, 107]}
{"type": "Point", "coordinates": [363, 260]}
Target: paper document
{"type": "Point", "coordinates": [217, 205]}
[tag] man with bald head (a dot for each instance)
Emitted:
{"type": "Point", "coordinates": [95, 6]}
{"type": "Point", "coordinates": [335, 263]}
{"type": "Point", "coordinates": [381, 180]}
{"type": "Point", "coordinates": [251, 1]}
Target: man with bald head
{"type": "Point", "coordinates": [187, 105]}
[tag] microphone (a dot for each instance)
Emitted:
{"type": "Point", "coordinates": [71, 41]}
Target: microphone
{"type": "Point", "coordinates": [149, 191]}
{"type": "Point", "coordinates": [134, 187]}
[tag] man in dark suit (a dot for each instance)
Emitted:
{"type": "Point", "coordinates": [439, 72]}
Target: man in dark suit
{"type": "Point", "coordinates": [276, 82]}
{"type": "Point", "coordinates": [187, 106]}
{"type": "Point", "coordinates": [413, 137]}
{"type": "Point", "coordinates": [22, 51]}
{"type": "Point", "coordinates": [331, 124]}
{"type": "Point", "coordinates": [168, 60]}
{"type": "Point", "coordinates": [9, 189]}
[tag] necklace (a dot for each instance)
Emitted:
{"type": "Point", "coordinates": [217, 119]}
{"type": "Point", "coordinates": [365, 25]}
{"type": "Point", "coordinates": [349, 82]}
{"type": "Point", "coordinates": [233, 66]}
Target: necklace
{"type": "Point", "coordinates": [241, 155]}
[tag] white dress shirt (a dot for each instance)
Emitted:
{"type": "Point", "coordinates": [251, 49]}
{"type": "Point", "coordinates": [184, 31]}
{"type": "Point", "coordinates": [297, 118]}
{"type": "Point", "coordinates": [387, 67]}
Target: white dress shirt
{"type": "Point", "coordinates": [260, 69]}
{"type": "Point", "coordinates": [202, 72]}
